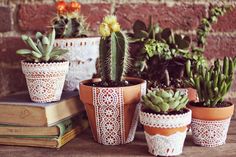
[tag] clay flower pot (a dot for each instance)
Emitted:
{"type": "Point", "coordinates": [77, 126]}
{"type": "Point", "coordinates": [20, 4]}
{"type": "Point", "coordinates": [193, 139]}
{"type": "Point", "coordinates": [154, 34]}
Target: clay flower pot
{"type": "Point", "coordinates": [113, 111]}
{"type": "Point", "coordinates": [210, 125]}
{"type": "Point", "coordinates": [82, 55]}
{"type": "Point", "coordinates": [165, 134]}
{"type": "Point", "coordinates": [190, 92]}
{"type": "Point", "coordinates": [45, 80]}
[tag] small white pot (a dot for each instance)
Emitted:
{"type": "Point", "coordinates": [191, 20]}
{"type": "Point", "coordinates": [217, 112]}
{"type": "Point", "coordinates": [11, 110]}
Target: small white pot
{"type": "Point", "coordinates": [82, 55]}
{"type": "Point", "coordinates": [45, 80]}
{"type": "Point", "coordinates": [164, 143]}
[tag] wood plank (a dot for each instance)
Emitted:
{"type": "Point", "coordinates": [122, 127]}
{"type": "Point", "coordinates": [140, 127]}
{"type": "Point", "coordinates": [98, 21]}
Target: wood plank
{"type": "Point", "coordinates": [84, 146]}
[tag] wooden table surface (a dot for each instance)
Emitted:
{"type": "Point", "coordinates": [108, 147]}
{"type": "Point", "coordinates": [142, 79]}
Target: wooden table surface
{"type": "Point", "coordinates": [84, 146]}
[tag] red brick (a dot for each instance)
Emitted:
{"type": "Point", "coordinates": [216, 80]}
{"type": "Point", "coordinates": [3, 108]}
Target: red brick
{"type": "Point", "coordinates": [11, 80]}
{"type": "Point", "coordinates": [184, 16]}
{"type": "Point", "coordinates": [226, 23]}
{"type": "Point", "coordinates": [94, 13]}
{"type": "Point", "coordinates": [35, 17]}
{"type": "Point", "coordinates": [8, 47]}
{"type": "Point", "coordinates": [219, 46]}
{"type": "Point", "coordinates": [38, 17]}
{"type": "Point", "coordinates": [5, 19]}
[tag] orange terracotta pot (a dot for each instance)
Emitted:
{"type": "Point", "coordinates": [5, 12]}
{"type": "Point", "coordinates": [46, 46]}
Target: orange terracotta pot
{"type": "Point", "coordinates": [165, 134]}
{"type": "Point", "coordinates": [113, 111]}
{"type": "Point", "coordinates": [210, 125]}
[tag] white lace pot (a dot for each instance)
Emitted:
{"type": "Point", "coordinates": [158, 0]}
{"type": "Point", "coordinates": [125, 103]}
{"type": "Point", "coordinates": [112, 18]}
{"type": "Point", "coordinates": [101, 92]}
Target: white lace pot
{"type": "Point", "coordinates": [210, 133]}
{"type": "Point", "coordinates": [82, 55]}
{"type": "Point", "coordinates": [113, 112]}
{"type": "Point", "coordinates": [45, 80]}
{"type": "Point", "coordinates": [165, 134]}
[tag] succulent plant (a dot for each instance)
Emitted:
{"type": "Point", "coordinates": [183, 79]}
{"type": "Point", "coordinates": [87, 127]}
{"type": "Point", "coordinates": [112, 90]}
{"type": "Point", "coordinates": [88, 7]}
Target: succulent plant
{"type": "Point", "coordinates": [42, 49]}
{"type": "Point", "coordinates": [162, 101]}
{"type": "Point", "coordinates": [113, 50]}
{"type": "Point", "coordinates": [68, 22]}
{"type": "Point", "coordinates": [212, 83]}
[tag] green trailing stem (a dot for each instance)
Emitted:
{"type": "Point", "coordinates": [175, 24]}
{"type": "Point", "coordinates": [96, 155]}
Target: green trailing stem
{"type": "Point", "coordinates": [42, 50]}
{"type": "Point", "coordinates": [162, 101]}
{"type": "Point", "coordinates": [212, 83]}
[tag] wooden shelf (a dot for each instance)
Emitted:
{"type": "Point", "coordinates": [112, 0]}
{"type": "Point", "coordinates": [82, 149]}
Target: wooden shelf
{"type": "Point", "coordinates": [84, 146]}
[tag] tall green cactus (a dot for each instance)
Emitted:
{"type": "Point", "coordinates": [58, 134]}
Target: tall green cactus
{"type": "Point", "coordinates": [162, 101]}
{"type": "Point", "coordinates": [113, 51]}
{"type": "Point", "coordinates": [212, 83]}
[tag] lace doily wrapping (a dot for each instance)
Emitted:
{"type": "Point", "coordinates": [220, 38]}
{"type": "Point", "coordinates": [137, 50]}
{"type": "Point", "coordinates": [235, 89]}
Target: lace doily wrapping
{"type": "Point", "coordinates": [210, 133]}
{"type": "Point", "coordinates": [45, 80]}
{"type": "Point", "coordinates": [82, 55]}
{"type": "Point", "coordinates": [166, 145]}
{"type": "Point", "coordinates": [165, 121]}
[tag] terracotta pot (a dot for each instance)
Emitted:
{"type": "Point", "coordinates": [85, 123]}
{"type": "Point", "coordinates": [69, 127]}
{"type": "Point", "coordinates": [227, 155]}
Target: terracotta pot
{"type": "Point", "coordinates": [113, 111]}
{"type": "Point", "coordinates": [190, 92]}
{"type": "Point", "coordinates": [210, 125]}
{"type": "Point", "coordinates": [165, 134]}
{"type": "Point", "coordinates": [82, 55]}
{"type": "Point", "coordinates": [45, 80]}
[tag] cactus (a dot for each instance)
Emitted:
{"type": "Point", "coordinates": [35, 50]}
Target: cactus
{"type": "Point", "coordinates": [113, 51]}
{"type": "Point", "coordinates": [68, 22]}
{"type": "Point", "coordinates": [162, 101]}
{"type": "Point", "coordinates": [212, 83]}
{"type": "Point", "coordinates": [42, 49]}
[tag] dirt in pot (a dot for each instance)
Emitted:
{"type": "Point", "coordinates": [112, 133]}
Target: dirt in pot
{"type": "Point", "coordinates": [219, 105]}
{"type": "Point", "coordinates": [111, 84]}
{"type": "Point", "coordinates": [169, 113]}
{"type": "Point", "coordinates": [54, 61]}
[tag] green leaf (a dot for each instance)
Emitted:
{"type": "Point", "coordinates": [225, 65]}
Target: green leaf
{"type": "Point", "coordinates": [23, 52]}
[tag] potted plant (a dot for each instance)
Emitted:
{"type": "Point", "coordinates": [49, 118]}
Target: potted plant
{"type": "Point", "coordinates": [71, 34]}
{"type": "Point", "coordinates": [212, 114]}
{"type": "Point", "coordinates": [44, 70]}
{"type": "Point", "coordinates": [165, 119]}
{"type": "Point", "coordinates": [112, 102]}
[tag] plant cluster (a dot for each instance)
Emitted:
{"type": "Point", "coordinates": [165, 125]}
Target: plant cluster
{"type": "Point", "coordinates": [69, 22]}
{"type": "Point", "coordinates": [161, 101]}
{"type": "Point", "coordinates": [162, 55]}
{"type": "Point", "coordinates": [113, 51]}
{"type": "Point", "coordinates": [212, 83]}
{"type": "Point", "coordinates": [42, 49]}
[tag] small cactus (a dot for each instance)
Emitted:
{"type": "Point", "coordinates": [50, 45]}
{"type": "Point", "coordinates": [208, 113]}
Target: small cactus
{"type": "Point", "coordinates": [212, 83]}
{"type": "Point", "coordinates": [42, 49]}
{"type": "Point", "coordinates": [113, 50]}
{"type": "Point", "coordinates": [69, 22]}
{"type": "Point", "coordinates": [162, 101]}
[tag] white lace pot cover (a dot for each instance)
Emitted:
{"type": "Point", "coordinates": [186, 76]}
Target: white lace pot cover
{"type": "Point", "coordinates": [82, 55]}
{"type": "Point", "coordinates": [45, 80]}
{"type": "Point", "coordinates": [165, 145]}
{"type": "Point", "coordinates": [210, 133]}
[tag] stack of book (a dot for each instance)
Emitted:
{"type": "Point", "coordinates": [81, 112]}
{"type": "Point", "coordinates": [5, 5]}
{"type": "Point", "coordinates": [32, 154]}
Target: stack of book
{"type": "Point", "coordinates": [51, 125]}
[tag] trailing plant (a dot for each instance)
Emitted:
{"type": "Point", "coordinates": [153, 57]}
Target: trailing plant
{"type": "Point", "coordinates": [113, 51]}
{"type": "Point", "coordinates": [42, 49]}
{"type": "Point", "coordinates": [161, 101]}
{"type": "Point", "coordinates": [212, 83]}
{"type": "Point", "coordinates": [68, 22]}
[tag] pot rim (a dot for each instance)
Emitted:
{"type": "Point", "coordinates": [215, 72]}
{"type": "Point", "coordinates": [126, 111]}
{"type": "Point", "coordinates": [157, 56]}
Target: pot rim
{"type": "Point", "coordinates": [40, 63]}
{"type": "Point", "coordinates": [74, 38]}
{"type": "Point", "coordinates": [210, 108]}
{"type": "Point", "coordinates": [141, 81]}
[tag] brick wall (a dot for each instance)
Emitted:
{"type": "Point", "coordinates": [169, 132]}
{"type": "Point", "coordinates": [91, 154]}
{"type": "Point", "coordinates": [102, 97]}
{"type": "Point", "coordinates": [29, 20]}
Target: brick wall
{"type": "Point", "coordinates": [28, 16]}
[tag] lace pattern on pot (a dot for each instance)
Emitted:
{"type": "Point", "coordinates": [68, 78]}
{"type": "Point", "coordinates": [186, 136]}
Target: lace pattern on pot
{"type": "Point", "coordinates": [210, 133]}
{"type": "Point", "coordinates": [109, 113]}
{"type": "Point", "coordinates": [165, 121]}
{"type": "Point", "coordinates": [45, 81]}
{"type": "Point", "coordinates": [83, 53]}
{"type": "Point", "coordinates": [172, 145]}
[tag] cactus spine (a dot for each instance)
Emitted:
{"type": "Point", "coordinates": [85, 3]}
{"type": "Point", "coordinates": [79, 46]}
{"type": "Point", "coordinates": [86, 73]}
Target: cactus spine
{"type": "Point", "coordinates": [113, 51]}
{"type": "Point", "coordinates": [214, 82]}
{"type": "Point", "coordinates": [162, 101]}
